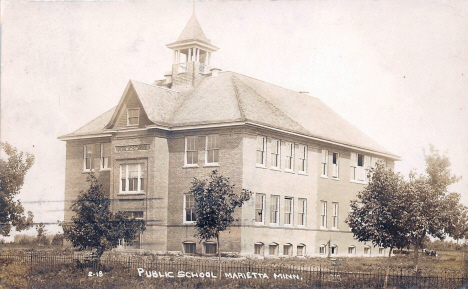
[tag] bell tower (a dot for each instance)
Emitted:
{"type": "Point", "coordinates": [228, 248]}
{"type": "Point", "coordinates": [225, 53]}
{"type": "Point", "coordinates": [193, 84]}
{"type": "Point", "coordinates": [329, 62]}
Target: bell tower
{"type": "Point", "coordinates": [192, 55]}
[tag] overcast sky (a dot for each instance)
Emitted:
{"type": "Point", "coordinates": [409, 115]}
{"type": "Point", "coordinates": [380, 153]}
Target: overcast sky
{"type": "Point", "coordinates": [398, 70]}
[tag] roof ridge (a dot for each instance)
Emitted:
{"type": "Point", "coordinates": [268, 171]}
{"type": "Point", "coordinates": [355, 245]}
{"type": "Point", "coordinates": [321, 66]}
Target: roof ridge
{"type": "Point", "coordinates": [236, 93]}
{"type": "Point", "coordinates": [264, 81]}
{"type": "Point", "coordinates": [157, 86]}
{"type": "Point", "coordinates": [272, 106]}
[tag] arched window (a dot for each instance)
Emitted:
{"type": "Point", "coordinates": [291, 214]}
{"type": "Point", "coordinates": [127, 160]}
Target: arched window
{"type": "Point", "coordinates": [287, 249]}
{"type": "Point", "coordinates": [352, 250]}
{"type": "Point", "coordinates": [322, 249]}
{"type": "Point", "coordinates": [301, 250]}
{"type": "Point", "coordinates": [367, 250]}
{"type": "Point", "coordinates": [273, 249]}
{"type": "Point", "coordinates": [334, 249]}
{"type": "Point", "coordinates": [259, 248]}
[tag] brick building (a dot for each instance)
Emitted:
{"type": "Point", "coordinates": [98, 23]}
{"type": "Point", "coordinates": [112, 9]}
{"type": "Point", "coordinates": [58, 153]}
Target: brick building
{"type": "Point", "coordinates": [303, 161]}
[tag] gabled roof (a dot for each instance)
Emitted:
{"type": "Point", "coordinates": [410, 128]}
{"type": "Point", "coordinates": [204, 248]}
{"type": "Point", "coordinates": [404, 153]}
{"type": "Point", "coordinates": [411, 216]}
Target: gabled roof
{"type": "Point", "coordinates": [231, 97]}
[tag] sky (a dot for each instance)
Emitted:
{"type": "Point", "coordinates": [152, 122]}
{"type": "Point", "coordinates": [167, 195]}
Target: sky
{"type": "Point", "coordinates": [398, 70]}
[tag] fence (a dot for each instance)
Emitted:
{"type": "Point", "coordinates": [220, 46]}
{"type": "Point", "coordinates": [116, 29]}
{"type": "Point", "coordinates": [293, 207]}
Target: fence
{"type": "Point", "coordinates": [245, 272]}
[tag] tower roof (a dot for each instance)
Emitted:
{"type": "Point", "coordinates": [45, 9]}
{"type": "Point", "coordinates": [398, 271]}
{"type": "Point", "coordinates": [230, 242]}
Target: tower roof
{"type": "Point", "coordinates": [193, 31]}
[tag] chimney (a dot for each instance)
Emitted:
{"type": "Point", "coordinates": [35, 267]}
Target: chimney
{"type": "Point", "coordinates": [215, 72]}
{"type": "Point", "coordinates": [168, 76]}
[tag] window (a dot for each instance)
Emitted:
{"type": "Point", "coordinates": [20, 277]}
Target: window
{"type": "Point", "coordinates": [323, 215]}
{"type": "Point", "coordinates": [274, 210]}
{"type": "Point", "coordinates": [210, 248]}
{"type": "Point", "coordinates": [132, 178]}
{"type": "Point", "coordinates": [189, 208]}
{"type": "Point", "coordinates": [190, 248]}
{"type": "Point", "coordinates": [352, 250]}
{"type": "Point", "coordinates": [336, 162]}
{"type": "Point", "coordinates": [105, 156]}
{"type": "Point", "coordinates": [324, 163]}
{"type": "Point", "coordinates": [358, 172]}
{"type": "Point", "coordinates": [335, 216]}
{"type": "Point", "coordinates": [275, 153]}
{"type": "Point", "coordinates": [322, 250]}
{"type": "Point", "coordinates": [191, 151]}
{"type": "Point", "coordinates": [212, 149]}
{"type": "Point", "coordinates": [287, 250]}
{"type": "Point", "coordinates": [367, 250]}
{"type": "Point", "coordinates": [133, 116]}
{"type": "Point", "coordinates": [88, 157]}
{"type": "Point", "coordinates": [273, 249]}
{"type": "Point", "coordinates": [258, 249]}
{"type": "Point", "coordinates": [261, 151]}
{"type": "Point", "coordinates": [303, 158]}
{"type": "Point", "coordinates": [137, 215]}
{"type": "Point", "coordinates": [300, 250]}
{"type": "Point", "coordinates": [290, 156]}
{"type": "Point", "coordinates": [288, 211]}
{"type": "Point", "coordinates": [259, 208]}
{"type": "Point", "coordinates": [381, 251]}
{"type": "Point", "coordinates": [334, 249]}
{"type": "Point", "coordinates": [301, 215]}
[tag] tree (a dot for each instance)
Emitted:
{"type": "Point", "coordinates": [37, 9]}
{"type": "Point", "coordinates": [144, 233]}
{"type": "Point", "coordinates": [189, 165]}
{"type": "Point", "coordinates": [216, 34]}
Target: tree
{"type": "Point", "coordinates": [94, 225]}
{"type": "Point", "coordinates": [459, 229]}
{"type": "Point", "coordinates": [41, 234]}
{"type": "Point", "coordinates": [379, 213]}
{"type": "Point", "coordinates": [12, 172]}
{"type": "Point", "coordinates": [215, 204]}
{"type": "Point", "coordinates": [432, 210]}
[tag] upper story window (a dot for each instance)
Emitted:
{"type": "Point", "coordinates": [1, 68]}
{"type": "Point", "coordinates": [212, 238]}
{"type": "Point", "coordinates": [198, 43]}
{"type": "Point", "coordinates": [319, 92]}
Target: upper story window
{"type": "Point", "coordinates": [133, 116]}
{"type": "Point", "coordinates": [302, 212]}
{"type": "Point", "coordinates": [274, 210]}
{"type": "Point", "coordinates": [137, 215]}
{"type": "Point", "coordinates": [302, 158]}
{"type": "Point", "coordinates": [335, 216]}
{"type": "Point", "coordinates": [290, 156]}
{"type": "Point", "coordinates": [359, 164]}
{"type": "Point", "coordinates": [88, 157]}
{"type": "Point", "coordinates": [259, 208]}
{"type": "Point", "coordinates": [276, 153]}
{"type": "Point", "coordinates": [261, 150]}
{"type": "Point", "coordinates": [288, 211]}
{"type": "Point", "coordinates": [336, 164]}
{"type": "Point", "coordinates": [323, 215]}
{"type": "Point", "coordinates": [105, 156]}
{"type": "Point", "coordinates": [324, 163]}
{"type": "Point", "coordinates": [191, 151]}
{"type": "Point", "coordinates": [212, 149]}
{"type": "Point", "coordinates": [189, 208]}
{"type": "Point", "coordinates": [132, 179]}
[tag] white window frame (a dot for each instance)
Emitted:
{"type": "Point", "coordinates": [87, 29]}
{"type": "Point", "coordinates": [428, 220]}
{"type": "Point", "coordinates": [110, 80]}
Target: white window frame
{"type": "Point", "coordinates": [85, 157]}
{"type": "Point", "coordinates": [275, 209]}
{"type": "Point", "coordinates": [381, 251]}
{"type": "Point", "coordinates": [334, 249]}
{"type": "Point", "coordinates": [261, 149]}
{"type": "Point", "coordinates": [133, 214]}
{"type": "Point", "coordinates": [352, 250]}
{"type": "Point", "coordinates": [139, 190]}
{"type": "Point", "coordinates": [191, 208]}
{"type": "Point", "coordinates": [368, 248]}
{"type": "Point", "coordinates": [276, 154]}
{"type": "Point", "coordinates": [211, 149]}
{"type": "Point", "coordinates": [132, 117]}
{"type": "Point", "coordinates": [262, 209]}
{"type": "Point", "coordinates": [336, 165]}
{"type": "Point", "coordinates": [103, 158]}
{"type": "Point", "coordinates": [322, 249]}
{"type": "Point", "coordinates": [288, 249]}
{"type": "Point", "coordinates": [358, 173]}
{"type": "Point", "coordinates": [301, 252]}
{"type": "Point", "coordinates": [336, 208]}
{"type": "Point", "coordinates": [261, 249]}
{"type": "Point", "coordinates": [290, 150]}
{"type": "Point", "coordinates": [289, 212]}
{"type": "Point", "coordinates": [275, 247]}
{"type": "Point", "coordinates": [302, 212]}
{"type": "Point", "coordinates": [303, 151]}
{"type": "Point", "coordinates": [325, 163]}
{"type": "Point", "coordinates": [323, 215]}
{"type": "Point", "coordinates": [194, 150]}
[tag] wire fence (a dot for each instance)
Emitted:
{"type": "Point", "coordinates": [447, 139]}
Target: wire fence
{"type": "Point", "coordinates": [245, 272]}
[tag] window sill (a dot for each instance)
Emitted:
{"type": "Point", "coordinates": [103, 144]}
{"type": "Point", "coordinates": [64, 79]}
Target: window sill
{"type": "Point", "coordinates": [334, 229]}
{"type": "Point", "coordinates": [287, 225]}
{"type": "Point", "coordinates": [335, 178]}
{"type": "Point", "coordinates": [189, 222]}
{"type": "Point", "coordinates": [358, 182]}
{"type": "Point", "coordinates": [275, 169]}
{"type": "Point", "coordinates": [190, 166]}
{"type": "Point", "coordinates": [211, 165]}
{"type": "Point", "coordinates": [260, 166]}
{"type": "Point", "coordinates": [274, 224]}
{"type": "Point", "coordinates": [105, 170]}
{"type": "Point", "coordinates": [289, 171]}
{"type": "Point", "coordinates": [324, 177]}
{"type": "Point", "coordinates": [323, 228]}
{"type": "Point", "coordinates": [301, 226]}
{"type": "Point", "coordinates": [302, 173]}
{"type": "Point", "coordinates": [259, 224]}
{"type": "Point", "coordinates": [130, 194]}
